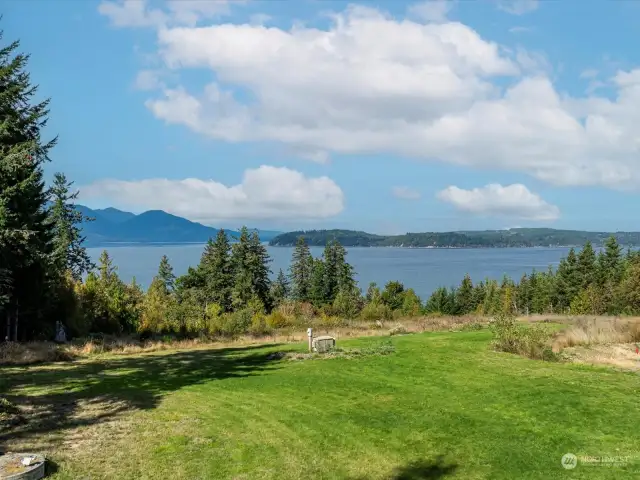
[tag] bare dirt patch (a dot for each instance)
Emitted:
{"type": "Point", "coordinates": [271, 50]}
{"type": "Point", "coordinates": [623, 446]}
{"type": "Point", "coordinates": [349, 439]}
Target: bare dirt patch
{"type": "Point", "coordinates": [620, 355]}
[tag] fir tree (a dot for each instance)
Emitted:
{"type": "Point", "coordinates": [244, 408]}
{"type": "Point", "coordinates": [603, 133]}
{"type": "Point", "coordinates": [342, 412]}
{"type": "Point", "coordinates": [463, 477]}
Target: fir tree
{"type": "Point", "coordinates": [108, 271]}
{"type": "Point", "coordinates": [166, 276]}
{"type": "Point", "coordinates": [345, 271]}
{"type": "Point", "coordinates": [330, 273]}
{"type": "Point", "coordinates": [280, 288]}
{"type": "Point", "coordinates": [258, 264]}
{"type": "Point", "coordinates": [318, 293]}
{"type": "Point", "coordinates": [241, 291]}
{"type": "Point", "coordinates": [587, 269]}
{"type": "Point", "coordinates": [69, 252]}
{"type": "Point", "coordinates": [464, 296]}
{"type": "Point", "coordinates": [373, 293]}
{"type": "Point", "coordinates": [216, 271]}
{"type": "Point", "coordinates": [25, 232]}
{"type": "Point", "coordinates": [301, 270]}
{"type": "Point", "coordinates": [440, 301]}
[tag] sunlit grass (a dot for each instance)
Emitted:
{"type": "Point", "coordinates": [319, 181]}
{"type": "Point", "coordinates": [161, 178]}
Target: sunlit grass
{"type": "Point", "coordinates": [441, 405]}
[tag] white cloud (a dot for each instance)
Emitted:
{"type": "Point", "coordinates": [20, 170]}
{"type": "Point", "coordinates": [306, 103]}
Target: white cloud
{"type": "Point", "coordinates": [431, 10]}
{"type": "Point", "coordinates": [266, 193]}
{"type": "Point", "coordinates": [371, 84]}
{"type": "Point", "coordinates": [148, 80]}
{"type": "Point", "coordinates": [138, 13]}
{"type": "Point", "coordinates": [518, 7]}
{"type": "Point", "coordinates": [510, 201]}
{"type": "Point", "coordinates": [406, 193]}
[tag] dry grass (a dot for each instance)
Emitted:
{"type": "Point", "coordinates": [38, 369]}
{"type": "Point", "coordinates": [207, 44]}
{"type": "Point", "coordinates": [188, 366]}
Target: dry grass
{"type": "Point", "coordinates": [46, 352]}
{"type": "Point", "coordinates": [582, 331]}
{"type": "Point", "coordinates": [586, 331]}
{"type": "Point", "coordinates": [623, 356]}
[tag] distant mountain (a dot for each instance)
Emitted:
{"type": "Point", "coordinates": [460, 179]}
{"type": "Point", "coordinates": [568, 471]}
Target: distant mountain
{"type": "Point", "coordinates": [515, 237]}
{"type": "Point", "coordinates": [114, 215]}
{"type": "Point", "coordinates": [154, 226]}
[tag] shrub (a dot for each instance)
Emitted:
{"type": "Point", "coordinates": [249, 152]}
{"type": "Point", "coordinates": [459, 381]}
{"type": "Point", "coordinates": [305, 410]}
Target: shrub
{"type": "Point", "coordinates": [398, 329]}
{"type": "Point", "coordinates": [376, 311]}
{"type": "Point", "coordinates": [347, 304]}
{"type": "Point", "coordinates": [259, 325]}
{"type": "Point", "coordinates": [235, 324]}
{"type": "Point", "coordinates": [330, 321]}
{"type": "Point", "coordinates": [509, 336]}
{"type": "Point", "coordinates": [277, 319]}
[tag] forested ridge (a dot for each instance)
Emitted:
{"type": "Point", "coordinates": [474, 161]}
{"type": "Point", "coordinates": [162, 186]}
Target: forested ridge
{"type": "Point", "coordinates": [515, 237]}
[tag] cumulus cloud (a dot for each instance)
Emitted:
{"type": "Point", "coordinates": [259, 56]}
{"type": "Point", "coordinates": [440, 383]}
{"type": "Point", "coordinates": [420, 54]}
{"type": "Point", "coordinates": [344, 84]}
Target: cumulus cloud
{"type": "Point", "coordinates": [431, 10]}
{"type": "Point", "coordinates": [510, 201]}
{"type": "Point", "coordinates": [265, 193]}
{"type": "Point", "coordinates": [405, 193]}
{"type": "Point", "coordinates": [518, 7]}
{"type": "Point", "coordinates": [369, 84]}
{"type": "Point", "coordinates": [139, 13]}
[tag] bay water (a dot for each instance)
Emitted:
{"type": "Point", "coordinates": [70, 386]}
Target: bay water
{"type": "Point", "coordinates": [423, 269]}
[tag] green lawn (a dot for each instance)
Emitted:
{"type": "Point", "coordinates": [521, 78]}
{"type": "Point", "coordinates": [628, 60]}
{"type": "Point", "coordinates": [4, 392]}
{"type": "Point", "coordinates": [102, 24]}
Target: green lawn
{"type": "Point", "coordinates": [442, 406]}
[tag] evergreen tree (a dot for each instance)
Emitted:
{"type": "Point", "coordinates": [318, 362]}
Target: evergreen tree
{"type": "Point", "coordinates": [524, 294]}
{"type": "Point", "coordinates": [166, 276]}
{"type": "Point", "coordinates": [587, 269]}
{"type": "Point", "coordinates": [69, 253]}
{"type": "Point", "coordinates": [479, 293]}
{"type": "Point", "coordinates": [611, 262]}
{"type": "Point", "coordinates": [373, 293]}
{"type": "Point", "coordinates": [492, 304]}
{"type": "Point", "coordinates": [345, 271]}
{"type": "Point", "coordinates": [330, 271]}
{"type": "Point", "coordinates": [258, 261]}
{"type": "Point", "coordinates": [108, 271]}
{"type": "Point", "coordinates": [242, 283]}
{"type": "Point", "coordinates": [318, 292]}
{"type": "Point", "coordinates": [464, 296]}
{"type": "Point", "coordinates": [280, 288]}
{"type": "Point", "coordinates": [216, 271]}
{"type": "Point", "coordinates": [25, 231]}
{"type": "Point", "coordinates": [568, 281]}
{"type": "Point", "coordinates": [301, 271]}
{"type": "Point", "coordinates": [392, 295]}
{"type": "Point", "coordinates": [440, 301]}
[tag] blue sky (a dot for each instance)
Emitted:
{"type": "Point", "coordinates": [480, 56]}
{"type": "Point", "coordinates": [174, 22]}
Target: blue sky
{"type": "Point", "coordinates": [381, 116]}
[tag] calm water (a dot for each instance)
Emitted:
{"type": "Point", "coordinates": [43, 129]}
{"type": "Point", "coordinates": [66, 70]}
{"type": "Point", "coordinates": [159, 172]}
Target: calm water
{"type": "Point", "coordinates": [424, 270]}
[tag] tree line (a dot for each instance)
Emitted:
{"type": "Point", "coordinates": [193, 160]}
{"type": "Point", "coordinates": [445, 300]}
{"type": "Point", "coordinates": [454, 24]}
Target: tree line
{"type": "Point", "coordinates": [606, 283]}
{"type": "Point", "coordinates": [515, 237]}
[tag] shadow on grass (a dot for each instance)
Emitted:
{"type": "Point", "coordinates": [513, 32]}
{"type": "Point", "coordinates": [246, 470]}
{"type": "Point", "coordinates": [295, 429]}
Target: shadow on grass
{"type": "Point", "coordinates": [87, 393]}
{"type": "Point", "coordinates": [424, 469]}
{"type": "Point", "coordinates": [421, 470]}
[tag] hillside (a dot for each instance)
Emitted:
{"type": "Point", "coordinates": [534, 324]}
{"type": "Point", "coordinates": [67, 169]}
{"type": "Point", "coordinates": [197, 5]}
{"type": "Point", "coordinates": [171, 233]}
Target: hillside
{"type": "Point", "coordinates": [515, 237]}
{"type": "Point", "coordinates": [154, 226]}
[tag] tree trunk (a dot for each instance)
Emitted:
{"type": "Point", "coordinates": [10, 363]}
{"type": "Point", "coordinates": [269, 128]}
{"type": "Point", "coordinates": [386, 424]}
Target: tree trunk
{"type": "Point", "coordinates": [8, 331]}
{"type": "Point", "coordinates": [15, 326]}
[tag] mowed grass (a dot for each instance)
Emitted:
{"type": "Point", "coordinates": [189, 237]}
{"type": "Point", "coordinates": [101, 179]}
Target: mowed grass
{"type": "Point", "coordinates": [444, 405]}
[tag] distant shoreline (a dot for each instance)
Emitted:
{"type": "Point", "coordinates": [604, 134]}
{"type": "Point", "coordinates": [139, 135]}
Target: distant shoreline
{"type": "Point", "coordinates": [483, 247]}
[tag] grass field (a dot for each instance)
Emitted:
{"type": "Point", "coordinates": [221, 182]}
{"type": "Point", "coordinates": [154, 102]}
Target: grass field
{"type": "Point", "coordinates": [443, 405]}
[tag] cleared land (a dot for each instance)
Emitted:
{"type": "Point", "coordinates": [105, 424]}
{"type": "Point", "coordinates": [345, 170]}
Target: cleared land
{"type": "Point", "coordinates": [442, 405]}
